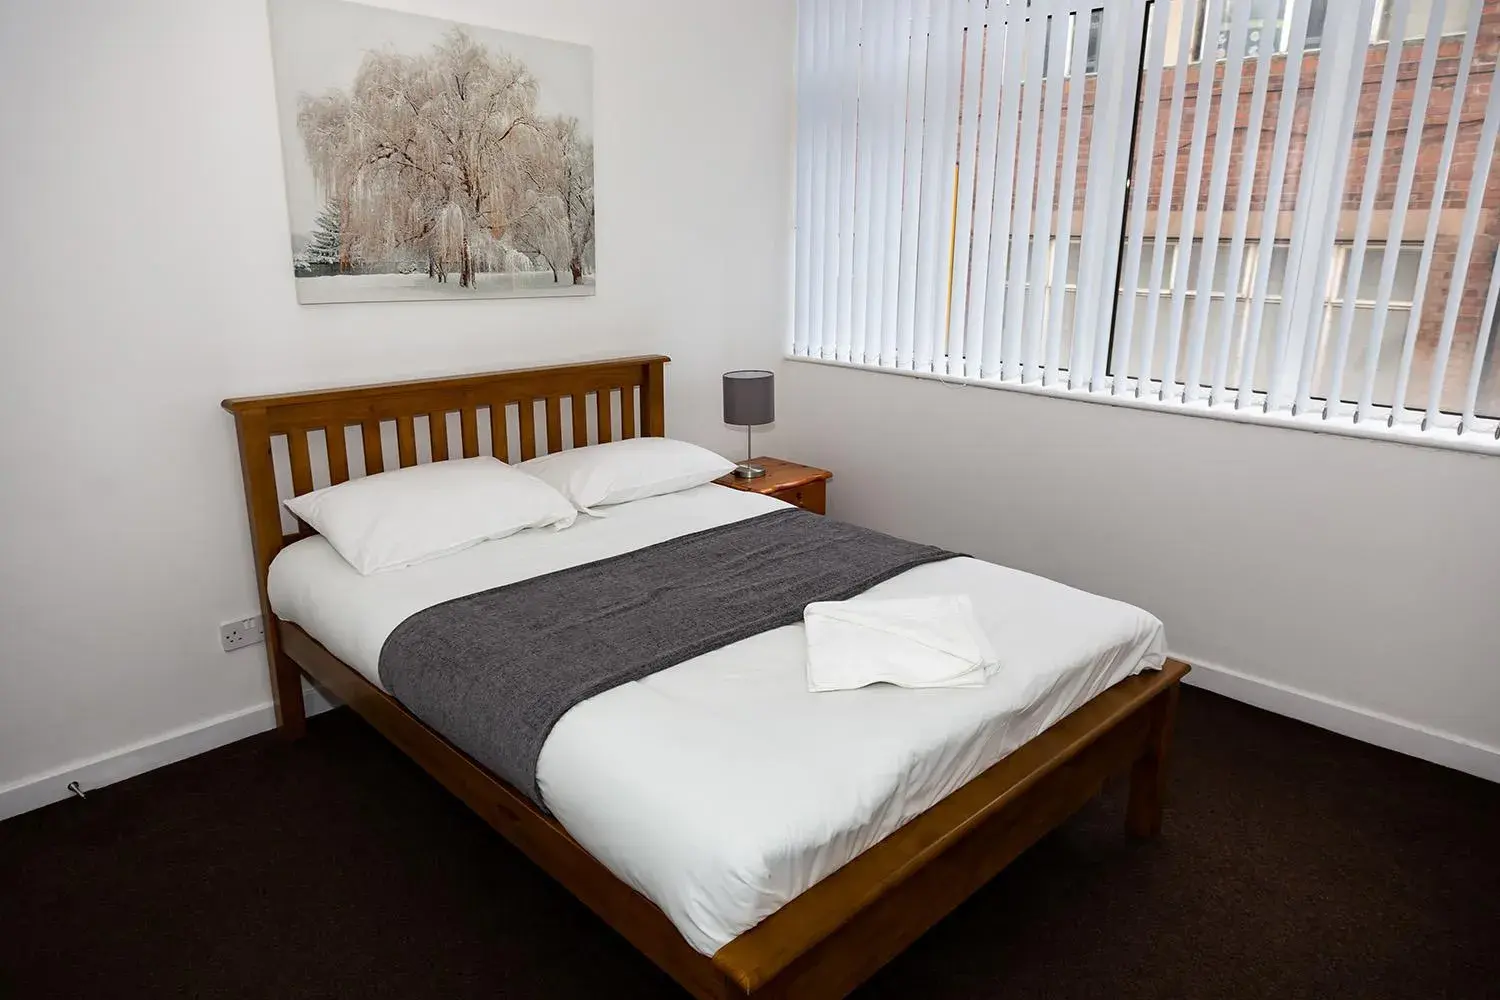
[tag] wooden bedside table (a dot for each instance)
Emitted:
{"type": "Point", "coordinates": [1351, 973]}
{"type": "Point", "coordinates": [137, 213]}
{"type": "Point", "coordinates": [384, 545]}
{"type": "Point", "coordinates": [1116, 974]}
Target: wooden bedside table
{"type": "Point", "coordinates": [803, 485]}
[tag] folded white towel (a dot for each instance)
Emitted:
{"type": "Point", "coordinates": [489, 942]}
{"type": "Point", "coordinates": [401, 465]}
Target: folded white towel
{"type": "Point", "coordinates": [917, 642]}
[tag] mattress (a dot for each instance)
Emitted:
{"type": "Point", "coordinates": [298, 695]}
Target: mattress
{"type": "Point", "coordinates": [721, 788]}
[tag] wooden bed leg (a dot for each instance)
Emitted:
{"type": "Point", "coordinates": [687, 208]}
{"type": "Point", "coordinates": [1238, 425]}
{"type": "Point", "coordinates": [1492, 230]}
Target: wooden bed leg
{"type": "Point", "coordinates": [1149, 775]}
{"type": "Point", "coordinates": [286, 690]}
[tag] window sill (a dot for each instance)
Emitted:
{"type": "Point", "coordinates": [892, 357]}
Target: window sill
{"type": "Point", "coordinates": [1481, 439]}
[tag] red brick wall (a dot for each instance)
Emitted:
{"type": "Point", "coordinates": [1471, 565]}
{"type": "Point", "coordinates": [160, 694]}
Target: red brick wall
{"type": "Point", "coordinates": [1433, 125]}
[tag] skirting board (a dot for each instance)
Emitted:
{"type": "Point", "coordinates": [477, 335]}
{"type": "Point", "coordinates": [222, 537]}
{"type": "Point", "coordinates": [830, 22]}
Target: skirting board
{"type": "Point", "coordinates": [1347, 720]}
{"type": "Point", "coordinates": [106, 769]}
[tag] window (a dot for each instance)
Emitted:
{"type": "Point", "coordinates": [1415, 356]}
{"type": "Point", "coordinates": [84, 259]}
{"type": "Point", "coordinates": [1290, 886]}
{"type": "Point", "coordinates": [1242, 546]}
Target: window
{"type": "Point", "coordinates": [1091, 47]}
{"type": "Point", "coordinates": [1271, 21]}
{"type": "Point", "coordinates": [1452, 17]}
{"type": "Point", "coordinates": [1268, 29]}
{"type": "Point", "coordinates": [1232, 334]}
{"type": "Point", "coordinates": [1124, 231]}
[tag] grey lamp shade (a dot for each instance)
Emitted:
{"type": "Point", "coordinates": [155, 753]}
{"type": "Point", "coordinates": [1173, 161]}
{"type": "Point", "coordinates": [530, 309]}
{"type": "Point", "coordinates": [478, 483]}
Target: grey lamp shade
{"type": "Point", "coordinates": [749, 397]}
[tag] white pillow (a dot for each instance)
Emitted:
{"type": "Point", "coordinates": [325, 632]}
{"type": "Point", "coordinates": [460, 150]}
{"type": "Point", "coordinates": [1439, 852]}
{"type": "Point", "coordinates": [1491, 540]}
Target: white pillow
{"type": "Point", "coordinates": [631, 469]}
{"type": "Point", "coordinates": [410, 515]}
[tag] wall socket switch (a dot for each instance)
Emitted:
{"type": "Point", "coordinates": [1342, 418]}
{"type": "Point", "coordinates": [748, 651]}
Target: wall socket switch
{"type": "Point", "coordinates": [245, 632]}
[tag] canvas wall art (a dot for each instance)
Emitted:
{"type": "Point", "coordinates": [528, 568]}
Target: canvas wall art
{"type": "Point", "coordinates": [432, 160]}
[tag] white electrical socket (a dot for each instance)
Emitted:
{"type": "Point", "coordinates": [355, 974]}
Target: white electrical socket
{"type": "Point", "coordinates": [245, 632]}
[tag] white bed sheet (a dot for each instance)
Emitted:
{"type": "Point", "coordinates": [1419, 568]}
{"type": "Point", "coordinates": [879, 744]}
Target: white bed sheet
{"type": "Point", "coordinates": [721, 788]}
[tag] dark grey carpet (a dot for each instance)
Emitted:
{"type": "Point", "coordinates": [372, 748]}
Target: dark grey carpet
{"type": "Point", "coordinates": [1295, 863]}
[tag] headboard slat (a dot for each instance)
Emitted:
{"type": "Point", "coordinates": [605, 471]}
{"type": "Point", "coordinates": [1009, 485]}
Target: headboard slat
{"type": "Point", "coordinates": [437, 430]}
{"type": "Point", "coordinates": [338, 454]}
{"type": "Point", "coordinates": [604, 401]}
{"type": "Point", "coordinates": [627, 403]}
{"type": "Point", "coordinates": [580, 420]}
{"type": "Point", "coordinates": [528, 429]}
{"type": "Point", "coordinates": [406, 440]}
{"type": "Point", "coordinates": [468, 423]}
{"type": "Point", "coordinates": [301, 462]}
{"type": "Point", "coordinates": [554, 424]}
{"type": "Point", "coordinates": [374, 451]}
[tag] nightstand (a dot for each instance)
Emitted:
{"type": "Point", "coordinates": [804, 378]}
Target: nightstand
{"type": "Point", "coordinates": [803, 485]}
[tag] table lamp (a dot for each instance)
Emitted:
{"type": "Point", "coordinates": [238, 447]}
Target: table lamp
{"type": "Point", "coordinates": [749, 399]}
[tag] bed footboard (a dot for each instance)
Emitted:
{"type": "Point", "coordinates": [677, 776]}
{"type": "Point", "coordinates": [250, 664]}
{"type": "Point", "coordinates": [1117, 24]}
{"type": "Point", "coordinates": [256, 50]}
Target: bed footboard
{"type": "Point", "coordinates": [836, 935]}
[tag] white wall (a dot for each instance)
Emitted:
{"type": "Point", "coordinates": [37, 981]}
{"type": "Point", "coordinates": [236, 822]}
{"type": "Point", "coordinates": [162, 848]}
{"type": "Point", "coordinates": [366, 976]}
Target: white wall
{"type": "Point", "coordinates": [1352, 583]}
{"type": "Point", "coordinates": [144, 275]}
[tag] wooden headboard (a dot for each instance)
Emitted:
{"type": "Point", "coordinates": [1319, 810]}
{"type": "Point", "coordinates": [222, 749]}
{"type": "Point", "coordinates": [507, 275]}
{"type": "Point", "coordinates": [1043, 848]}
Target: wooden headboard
{"type": "Point", "coordinates": [513, 415]}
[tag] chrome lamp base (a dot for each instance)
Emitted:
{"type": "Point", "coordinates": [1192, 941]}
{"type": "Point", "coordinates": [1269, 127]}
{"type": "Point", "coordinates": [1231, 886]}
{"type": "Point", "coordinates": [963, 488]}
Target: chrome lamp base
{"type": "Point", "coordinates": [748, 469]}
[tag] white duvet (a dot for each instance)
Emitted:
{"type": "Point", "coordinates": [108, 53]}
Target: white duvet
{"type": "Point", "coordinates": [721, 788]}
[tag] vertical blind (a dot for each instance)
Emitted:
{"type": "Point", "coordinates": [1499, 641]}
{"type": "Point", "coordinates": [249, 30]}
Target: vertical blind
{"type": "Point", "coordinates": [1268, 208]}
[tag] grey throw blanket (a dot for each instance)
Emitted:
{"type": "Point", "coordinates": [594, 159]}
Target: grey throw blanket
{"type": "Point", "coordinates": [494, 671]}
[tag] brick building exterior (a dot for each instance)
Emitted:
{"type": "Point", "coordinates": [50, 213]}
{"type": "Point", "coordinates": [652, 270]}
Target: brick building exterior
{"type": "Point", "coordinates": [1434, 124]}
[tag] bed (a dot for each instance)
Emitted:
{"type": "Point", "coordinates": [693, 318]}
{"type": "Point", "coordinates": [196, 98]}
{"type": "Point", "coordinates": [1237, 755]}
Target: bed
{"type": "Point", "coordinates": [738, 867]}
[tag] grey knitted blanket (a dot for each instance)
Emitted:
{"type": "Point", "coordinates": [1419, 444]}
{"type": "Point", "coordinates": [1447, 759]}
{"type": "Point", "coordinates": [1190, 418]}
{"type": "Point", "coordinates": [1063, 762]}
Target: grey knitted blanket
{"type": "Point", "coordinates": [494, 671]}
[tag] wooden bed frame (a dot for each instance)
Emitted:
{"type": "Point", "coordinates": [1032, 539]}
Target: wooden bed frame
{"type": "Point", "coordinates": [831, 938]}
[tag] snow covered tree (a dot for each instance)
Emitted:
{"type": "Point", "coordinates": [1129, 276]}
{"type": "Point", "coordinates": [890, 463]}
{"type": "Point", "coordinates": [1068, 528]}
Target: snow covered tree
{"type": "Point", "coordinates": [441, 152]}
{"type": "Point", "coordinates": [540, 230]}
{"type": "Point", "coordinates": [554, 221]}
{"type": "Point", "coordinates": [326, 249]}
{"type": "Point", "coordinates": [576, 187]}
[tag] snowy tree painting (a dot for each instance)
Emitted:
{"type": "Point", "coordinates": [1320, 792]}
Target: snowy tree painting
{"type": "Point", "coordinates": [427, 159]}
